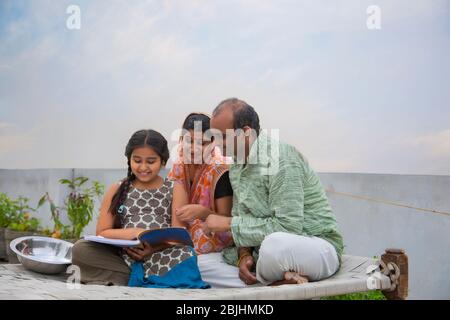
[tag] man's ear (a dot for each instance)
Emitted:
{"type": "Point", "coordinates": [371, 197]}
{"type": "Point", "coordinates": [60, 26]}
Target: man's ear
{"type": "Point", "coordinates": [246, 128]}
{"type": "Point", "coordinates": [250, 132]}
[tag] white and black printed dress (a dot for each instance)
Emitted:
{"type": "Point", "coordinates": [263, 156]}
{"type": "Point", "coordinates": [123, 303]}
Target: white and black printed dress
{"type": "Point", "coordinates": [151, 209]}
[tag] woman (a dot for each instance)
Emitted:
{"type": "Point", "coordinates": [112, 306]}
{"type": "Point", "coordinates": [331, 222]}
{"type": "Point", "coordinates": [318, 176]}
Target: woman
{"type": "Point", "coordinates": [203, 184]}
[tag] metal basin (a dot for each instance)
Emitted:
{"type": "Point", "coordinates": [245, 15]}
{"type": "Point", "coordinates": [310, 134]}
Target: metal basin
{"type": "Point", "coordinates": [43, 254]}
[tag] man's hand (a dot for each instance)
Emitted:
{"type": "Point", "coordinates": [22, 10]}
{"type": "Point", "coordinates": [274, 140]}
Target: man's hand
{"type": "Point", "coordinates": [217, 223]}
{"type": "Point", "coordinates": [142, 253]}
{"type": "Point", "coordinates": [245, 265]}
{"type": "Point", "coordinates": [191, 212]}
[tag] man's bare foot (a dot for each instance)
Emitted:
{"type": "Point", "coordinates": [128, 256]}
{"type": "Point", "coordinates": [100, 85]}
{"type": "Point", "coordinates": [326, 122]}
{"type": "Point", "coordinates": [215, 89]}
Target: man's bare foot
{"type": "Point", "coordinates": [291, 278]}
{"type": "Point", "coordinates": [294, 276]}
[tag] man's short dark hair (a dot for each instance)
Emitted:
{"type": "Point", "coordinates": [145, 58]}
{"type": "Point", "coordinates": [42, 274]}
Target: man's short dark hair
{"type": "Point", "coordinates": [243, 113]}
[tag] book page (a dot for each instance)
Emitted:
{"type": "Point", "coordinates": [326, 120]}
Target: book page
{"type": "Point", "coordinates": [115, 242]}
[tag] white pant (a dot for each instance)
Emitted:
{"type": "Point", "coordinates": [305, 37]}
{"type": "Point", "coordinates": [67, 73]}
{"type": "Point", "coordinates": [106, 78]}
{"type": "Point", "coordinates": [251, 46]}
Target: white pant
{"type": "Point", "coordinates": [280, 252]}
{"type": "Point", "coordinates": [217, 272]}
{"type": "Point", "coordinates": [312, 257]}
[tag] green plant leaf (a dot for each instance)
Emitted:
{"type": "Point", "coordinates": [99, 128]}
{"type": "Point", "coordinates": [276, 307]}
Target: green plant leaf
{"type": "Point", "coordinates": [42, 200]}
{"type": "Point", "coordinates": [65, 181]}
{"type": "Point", "coordinates": [81, 181]}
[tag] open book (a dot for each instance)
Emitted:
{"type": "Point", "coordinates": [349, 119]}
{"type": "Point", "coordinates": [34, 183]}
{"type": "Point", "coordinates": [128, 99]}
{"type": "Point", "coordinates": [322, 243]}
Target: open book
{"type": "Point", "coordinates": [171, 235]}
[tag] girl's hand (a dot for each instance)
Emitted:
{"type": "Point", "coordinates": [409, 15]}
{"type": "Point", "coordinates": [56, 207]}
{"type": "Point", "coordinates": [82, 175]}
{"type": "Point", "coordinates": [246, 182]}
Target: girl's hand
{"type": "Point", "coordinates": [140, 253]}
{"type": "Point", "coordinates": [144, 252]}
{"type": "Point", "coordinates": [137, 232]}
{"type": "Point", "coordinates": [191, 212]}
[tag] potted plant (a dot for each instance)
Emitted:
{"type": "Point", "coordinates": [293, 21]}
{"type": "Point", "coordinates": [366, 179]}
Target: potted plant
{"type": "Point", "coordinates": [78, 206]}
{"type": "Point", "coordinates": [7, 209]}
{"type": "Point", "coordinates": [20, 224]}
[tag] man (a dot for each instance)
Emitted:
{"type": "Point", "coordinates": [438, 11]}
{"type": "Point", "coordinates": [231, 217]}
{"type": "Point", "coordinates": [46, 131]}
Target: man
{"type": "Point", "coordinates": [282, 224]}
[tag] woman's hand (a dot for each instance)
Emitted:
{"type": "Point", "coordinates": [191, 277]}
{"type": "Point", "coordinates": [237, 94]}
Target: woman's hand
{"type": "Point", "coordinates": [191, 212]}
{"type": "Point", "coordinates": [144, 252]}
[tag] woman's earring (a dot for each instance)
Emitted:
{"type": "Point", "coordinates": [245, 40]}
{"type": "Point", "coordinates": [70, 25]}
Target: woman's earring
{"type": "Point", "coordinates": [121, 208]}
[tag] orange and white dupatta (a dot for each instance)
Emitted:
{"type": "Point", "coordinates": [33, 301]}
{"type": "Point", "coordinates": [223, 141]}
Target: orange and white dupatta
{"type": "Point", "coordinates": [201, 191]}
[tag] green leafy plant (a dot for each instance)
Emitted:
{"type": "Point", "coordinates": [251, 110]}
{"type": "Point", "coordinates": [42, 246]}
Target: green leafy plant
{"type": "Point", "coordinates": [20, 218]}
{"type": "Point", "coordinates": [8, 209]}
{"type": "Point", "coordinates": [79, 207]}
{"type": "Point", "coordinates": [59, 229]}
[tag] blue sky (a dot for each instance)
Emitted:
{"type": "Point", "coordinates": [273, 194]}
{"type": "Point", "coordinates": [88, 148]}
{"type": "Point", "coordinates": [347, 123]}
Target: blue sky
{"type": "Point", "coordinates": [351, 99]}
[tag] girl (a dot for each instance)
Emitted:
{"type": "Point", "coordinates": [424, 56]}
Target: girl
{"type": "Point", "coordinates": [140, 202]}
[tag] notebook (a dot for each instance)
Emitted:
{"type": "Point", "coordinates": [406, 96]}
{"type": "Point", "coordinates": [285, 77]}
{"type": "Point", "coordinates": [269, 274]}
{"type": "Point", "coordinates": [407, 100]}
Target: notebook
{"type": "Point", "coordinates": [170, 235]}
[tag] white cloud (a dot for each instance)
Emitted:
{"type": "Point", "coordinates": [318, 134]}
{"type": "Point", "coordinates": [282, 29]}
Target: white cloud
{"type": "Point", "coordinates": [10, 143]}
{"type": "Point", "coordinates": [437, 143]}
{"type": "Point", "coordinates": [4, 125]}
{"type": "Point", "coordinates": [13, 140]}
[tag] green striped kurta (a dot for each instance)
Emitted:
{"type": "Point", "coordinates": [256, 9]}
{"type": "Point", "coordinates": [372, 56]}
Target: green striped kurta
{"type": "Point", "coordinates": [278, 191]}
